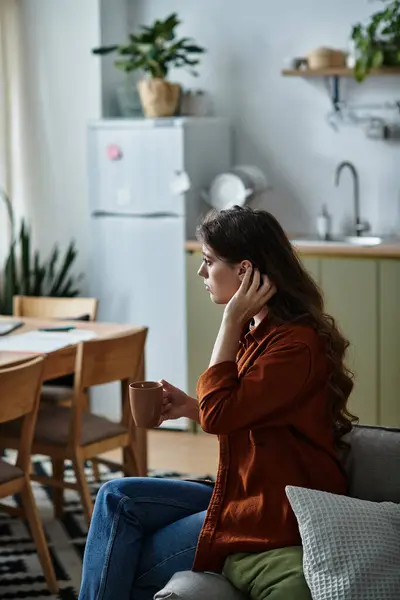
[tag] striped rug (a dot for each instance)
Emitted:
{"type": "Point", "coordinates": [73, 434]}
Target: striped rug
{"type": "Point", "coordinates": [20, 572]}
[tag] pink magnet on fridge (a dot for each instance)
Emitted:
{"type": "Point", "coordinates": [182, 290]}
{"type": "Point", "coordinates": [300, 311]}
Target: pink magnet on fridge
{"type": "Point", "coordinates": [114, 152]}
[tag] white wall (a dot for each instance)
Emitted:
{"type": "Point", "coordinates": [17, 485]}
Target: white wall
{"type": "Point", "coordinates": [63, 83]}
{"type": "Point", "coordinates": [280, 122]}
{"type": "Point", "coordinates": [114, 30]}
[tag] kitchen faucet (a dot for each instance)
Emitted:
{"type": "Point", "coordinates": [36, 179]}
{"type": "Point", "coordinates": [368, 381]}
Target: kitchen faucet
{"type": "Point", "coordinates": [360, 226]}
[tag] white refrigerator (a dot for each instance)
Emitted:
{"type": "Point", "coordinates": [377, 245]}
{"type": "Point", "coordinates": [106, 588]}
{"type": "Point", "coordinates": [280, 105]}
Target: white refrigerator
{"type": "Point", "coordinates": [146, 180]}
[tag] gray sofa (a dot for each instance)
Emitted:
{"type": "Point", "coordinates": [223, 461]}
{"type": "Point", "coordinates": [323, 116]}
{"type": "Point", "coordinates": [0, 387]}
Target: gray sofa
{"type": "Point", "coordinates": [373, 466]}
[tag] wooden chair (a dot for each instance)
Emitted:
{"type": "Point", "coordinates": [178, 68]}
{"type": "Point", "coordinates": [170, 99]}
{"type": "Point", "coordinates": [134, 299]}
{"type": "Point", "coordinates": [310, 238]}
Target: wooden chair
{"type": "Point", "coordinates": [59, 390]}
{"type": "Point", "coordinates": [20, 393]}
{"type": "Point", "coordinates": [74, 433]}
{"type": "Point", "coordinates": [55, 308]}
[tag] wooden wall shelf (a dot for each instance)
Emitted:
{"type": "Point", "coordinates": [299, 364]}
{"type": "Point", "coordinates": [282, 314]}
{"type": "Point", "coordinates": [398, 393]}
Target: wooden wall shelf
{"type": "Point", "coordinates": [333, 76]}
{"type": "Point", "coordinates": [338, 72]}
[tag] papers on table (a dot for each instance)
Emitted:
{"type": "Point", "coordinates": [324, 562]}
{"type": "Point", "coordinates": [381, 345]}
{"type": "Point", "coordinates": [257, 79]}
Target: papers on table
{"type": "Point", "coordinates": [42, 342]}
{"type": "Point", "coordinates": [7, 327]}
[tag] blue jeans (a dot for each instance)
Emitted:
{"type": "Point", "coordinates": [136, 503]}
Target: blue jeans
{"type": "Point", "coordinates": [143, 531]}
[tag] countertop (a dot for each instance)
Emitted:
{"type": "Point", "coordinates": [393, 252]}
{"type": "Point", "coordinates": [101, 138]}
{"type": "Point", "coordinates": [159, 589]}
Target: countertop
{"type": "Point", "coordinates": [384, 250]}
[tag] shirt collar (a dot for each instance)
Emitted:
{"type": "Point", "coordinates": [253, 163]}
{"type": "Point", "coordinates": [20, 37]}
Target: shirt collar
{"type": "Point", "coordinates": [259, 332]}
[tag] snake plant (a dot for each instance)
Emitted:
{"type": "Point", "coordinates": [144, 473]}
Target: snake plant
{"type": "Point", "coordinates": [26, 273]}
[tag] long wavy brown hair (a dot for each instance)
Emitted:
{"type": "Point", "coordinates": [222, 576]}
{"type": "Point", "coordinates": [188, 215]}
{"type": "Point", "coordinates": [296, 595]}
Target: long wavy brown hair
{"type": "Point", "coordinates": [244, 234]}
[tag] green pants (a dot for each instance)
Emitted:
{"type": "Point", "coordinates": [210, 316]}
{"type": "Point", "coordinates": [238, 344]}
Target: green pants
{"type": "Point", "coordinates": [273, 575]}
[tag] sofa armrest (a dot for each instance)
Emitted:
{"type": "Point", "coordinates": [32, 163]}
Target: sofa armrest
{"type": "Point", "coordinates": [188, 585]}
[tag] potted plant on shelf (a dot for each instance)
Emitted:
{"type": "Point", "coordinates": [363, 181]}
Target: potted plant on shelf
{"type": "Point", "coordinates": [154, 51]}
{"type": "Point", "coordinates": [377, 44]}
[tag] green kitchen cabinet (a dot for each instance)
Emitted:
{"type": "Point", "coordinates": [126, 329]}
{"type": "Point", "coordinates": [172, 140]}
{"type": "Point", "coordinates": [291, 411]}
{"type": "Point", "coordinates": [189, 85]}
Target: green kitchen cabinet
{"type": "Point", "coordinates": [203, 321]}
{"type": "Point", "coordinates": [389, 343]}
{"type": "Point", "coordinates": [313, 266]}
{"type": "Point", "coordinates": [350, 287]}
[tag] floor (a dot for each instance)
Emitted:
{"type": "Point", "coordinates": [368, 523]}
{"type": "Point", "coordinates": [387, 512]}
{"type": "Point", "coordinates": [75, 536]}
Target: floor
{"type": "Point", "coordinates": [169, 451]}
{"type": "Point", "coordinates": [191, 453]}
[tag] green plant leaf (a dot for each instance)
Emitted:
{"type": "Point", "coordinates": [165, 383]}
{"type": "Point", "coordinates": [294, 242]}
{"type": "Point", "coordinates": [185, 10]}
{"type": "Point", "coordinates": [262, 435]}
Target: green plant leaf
{"type": "Point", "coordinates": [9, 208]}
{"type": "Point", "coordinates": [124, 65]}
{"type": "Point", "coordinates": [145, 48]}
{"type": "Point", "coordinates": [66, 265]}
{"type": "Point", "coordinates": [10, 283]}
{"type": "Point", "coordinates": [38, 276]}
{"type": "Point", "coordinates": [188, 61]}
{"type": "Point", "coordinates": [356, 31]}
{"type": "Point", "coordinates": [180, 43]}
{"type": "Point", "coordinates": [146, 38]}
{"type": "Point", "coordinates": [154, 49]}
{"type": "Point", "coordinates": [51, 267]}
{"type": "Point", "coordinates": [378, 41]}
{"type": "Point", "coordinates": [34, 277]}
{"type": "Point", "coordinates": [194, 49]}
{"type": "Point", "coordinates": [69, 290]}
{"type": "Point", "coordinates": [73, 293]}
{"type": "Point", "coordinates": [25, 255]}
{"type": "Point", "coordinates": [377, 59]}
{"type": "Point", "coordinates": [165, 29]}
{"type": "Point", "coordinates": [67, 287]}
{"type": "Point", "coordinates": [172, 21]}
{"type": "Point", "coordinates": [104, 50]}
{"type": "Point", "coordinates": [127, 49]}
{"type": "Point", "coordinates": [360, 71]}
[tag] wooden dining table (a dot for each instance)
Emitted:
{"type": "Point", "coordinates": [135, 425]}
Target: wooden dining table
{"type": "Point", "coordinates": [62, 362]}
{"type": "Point", "coordinates": [59, 362]}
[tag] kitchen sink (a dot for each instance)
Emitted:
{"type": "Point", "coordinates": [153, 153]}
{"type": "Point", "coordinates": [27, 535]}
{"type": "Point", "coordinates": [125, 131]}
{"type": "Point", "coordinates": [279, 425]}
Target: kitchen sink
{"type": "Point", "coordinates": [317, 242]}
{"type": "Point", "coordinates": [339, 242]}
{"type": "Point", "coordinates": [364, 240]}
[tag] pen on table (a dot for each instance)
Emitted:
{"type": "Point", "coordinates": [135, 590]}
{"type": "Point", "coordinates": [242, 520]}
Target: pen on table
{"type": "Point", "coordinates": [56, 329]}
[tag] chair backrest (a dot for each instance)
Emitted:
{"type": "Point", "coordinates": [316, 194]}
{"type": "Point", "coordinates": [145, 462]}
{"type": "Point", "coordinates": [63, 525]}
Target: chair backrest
{"type": "Point", "coordinates": [55, 308]}
{"type": "Point", "coordinates": [117, 358]}
{"type": "Point", "coordinates": [110, 359]}
{"type": "Point", "coordinates": [19, 397]}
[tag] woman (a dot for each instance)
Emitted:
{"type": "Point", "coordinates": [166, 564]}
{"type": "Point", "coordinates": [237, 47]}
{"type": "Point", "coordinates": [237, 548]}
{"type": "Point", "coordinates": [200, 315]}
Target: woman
{"type": "Point", "coordinates": [275, 393]}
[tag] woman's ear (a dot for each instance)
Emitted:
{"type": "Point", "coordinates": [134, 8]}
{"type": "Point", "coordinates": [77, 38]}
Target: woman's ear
{"type": "Point", "coordinates": [243, 266]}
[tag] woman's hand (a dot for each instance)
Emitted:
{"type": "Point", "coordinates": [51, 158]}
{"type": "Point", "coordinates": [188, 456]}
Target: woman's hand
{"type": "Point", "coordinates": [177, 404]}
{"type": "Point", "coordinates": [248, 301]}
{"type": "Point", "coordinates": [250, 298]}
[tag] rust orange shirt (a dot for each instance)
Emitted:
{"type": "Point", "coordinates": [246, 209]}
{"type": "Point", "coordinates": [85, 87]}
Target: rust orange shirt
{"type": "Point", "coordinates": [270, 410]}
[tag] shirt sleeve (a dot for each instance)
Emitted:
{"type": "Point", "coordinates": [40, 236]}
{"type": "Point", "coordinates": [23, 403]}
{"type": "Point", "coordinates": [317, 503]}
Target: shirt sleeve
{"type": "Point", "coordinates": [267, 393]}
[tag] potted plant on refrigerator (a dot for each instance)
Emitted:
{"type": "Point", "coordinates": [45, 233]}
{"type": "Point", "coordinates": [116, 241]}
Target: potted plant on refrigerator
{"type": "Point", "coordinates": [154, 51]}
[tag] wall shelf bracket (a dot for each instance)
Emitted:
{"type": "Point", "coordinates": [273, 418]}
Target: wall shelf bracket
{"type": "Point", "coordinates": [333, 83]}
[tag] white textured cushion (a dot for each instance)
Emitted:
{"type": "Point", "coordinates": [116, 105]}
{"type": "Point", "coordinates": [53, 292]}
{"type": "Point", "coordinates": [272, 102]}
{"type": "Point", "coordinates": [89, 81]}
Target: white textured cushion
{"type": "Point", "coordinates": [351, 546]}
